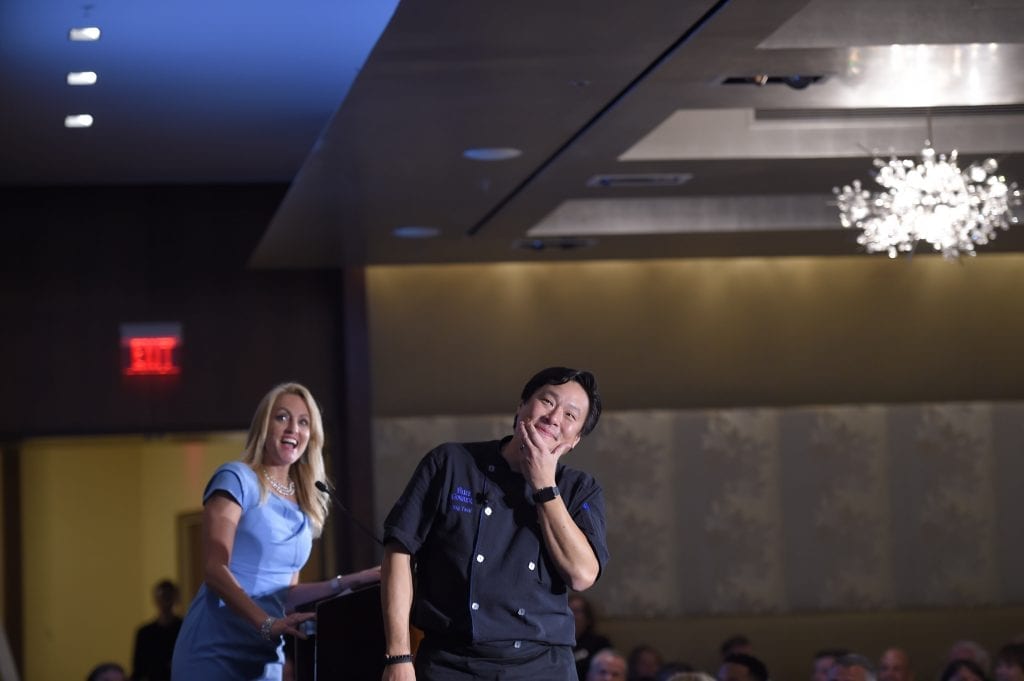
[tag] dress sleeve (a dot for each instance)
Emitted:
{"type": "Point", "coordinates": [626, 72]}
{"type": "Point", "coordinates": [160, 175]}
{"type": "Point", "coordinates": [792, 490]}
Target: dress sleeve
{"type": "Point", "coordinates": [413, 515]}
{"type": "Point", "coordinates": [236, 480]}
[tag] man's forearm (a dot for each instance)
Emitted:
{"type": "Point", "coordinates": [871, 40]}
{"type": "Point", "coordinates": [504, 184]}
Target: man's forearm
{"type": "Point", "coordinates": [396, 599]}
{"type": "Point", "coordinates": [568, 546]}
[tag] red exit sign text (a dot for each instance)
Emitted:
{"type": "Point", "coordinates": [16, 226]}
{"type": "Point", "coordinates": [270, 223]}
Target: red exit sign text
{"type": "Point", "coordinates": [151, 349]}
{"type": "Point", "coordinates": [151, 356]}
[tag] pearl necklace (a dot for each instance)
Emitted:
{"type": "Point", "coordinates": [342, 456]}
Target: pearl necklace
{"type": "Point", "coordinates": [286, 490]}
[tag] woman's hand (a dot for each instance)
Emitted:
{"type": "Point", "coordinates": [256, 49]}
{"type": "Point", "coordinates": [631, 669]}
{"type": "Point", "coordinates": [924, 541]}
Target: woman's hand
{"type": "Point", "coordinates": [289, 624]}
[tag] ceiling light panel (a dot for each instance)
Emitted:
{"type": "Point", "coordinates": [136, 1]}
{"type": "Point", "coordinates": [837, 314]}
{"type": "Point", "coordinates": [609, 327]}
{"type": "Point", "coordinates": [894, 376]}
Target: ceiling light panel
{"type": "Point", "coordinates": [82, 78]}
{"type": "Point", "coordinates": [78, 121]}
{"type": "Point", "coordinates": [687, 215]}
{"type": "Point", "coordinates": [416, 232]}
{"type": "Point", "coordinates": [492, 153]}
{"type": "Point", "coordinates": [740, 134]}
{"type": "Point", "coordinates": [86, 34]}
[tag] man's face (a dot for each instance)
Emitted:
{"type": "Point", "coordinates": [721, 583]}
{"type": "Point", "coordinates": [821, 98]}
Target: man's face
{"type": "Point", "coordinates": [894, 666]}
{"type": "Point", "coordinates": [1008, 671]}
{"type": "Point", "coordinates": [965, 674]}
{"type": "Point", "coordinates": [557, 412]}
{"type": "Point", "coordinates": [821, 666]}
{"type": "Point", "coordinates": [854, 673]}
{"type": "Point", "coordinates": [730, 671]}
{"type": "Point", "coordinates": [607, 668]}
{"type": "Point", "coordinates": [646, 664]}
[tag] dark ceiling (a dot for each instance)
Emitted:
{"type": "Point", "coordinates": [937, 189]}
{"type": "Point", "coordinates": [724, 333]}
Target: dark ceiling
{"type": "Point", "coordinates": [642, 130]}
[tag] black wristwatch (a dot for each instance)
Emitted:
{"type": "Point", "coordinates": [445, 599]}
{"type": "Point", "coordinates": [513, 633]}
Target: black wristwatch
{"type": "Point", "coordinates": [397, 659]}
{"type": "Point", "coordinates": [545, 494]}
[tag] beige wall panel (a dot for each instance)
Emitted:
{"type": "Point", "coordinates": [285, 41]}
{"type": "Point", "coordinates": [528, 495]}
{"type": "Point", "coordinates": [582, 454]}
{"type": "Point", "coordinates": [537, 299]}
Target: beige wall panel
{"type": "Point", "coordinates": [456, 339]}
{"type": "Point", "coordinates": [100, 518]}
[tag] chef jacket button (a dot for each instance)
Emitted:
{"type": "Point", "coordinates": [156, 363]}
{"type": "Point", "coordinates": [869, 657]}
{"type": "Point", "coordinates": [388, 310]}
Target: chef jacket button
{"type": "Point", "coordinates": [517, 644]}
{"type": "Point", "coordinates": [488, 511]}
{"type": "Point", "coordinates": [475, 606]}
{"type": "Point", "coordinates": [479, 557]}
{"type": "Point", "coordinates": [520, 612]}
{"type": "Point", "coordinates": [533, 566]}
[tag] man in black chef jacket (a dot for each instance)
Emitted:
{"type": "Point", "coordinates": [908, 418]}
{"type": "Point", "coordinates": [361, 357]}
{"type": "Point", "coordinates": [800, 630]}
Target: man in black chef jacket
{"type": "Point", "coordinates": [488, 538]}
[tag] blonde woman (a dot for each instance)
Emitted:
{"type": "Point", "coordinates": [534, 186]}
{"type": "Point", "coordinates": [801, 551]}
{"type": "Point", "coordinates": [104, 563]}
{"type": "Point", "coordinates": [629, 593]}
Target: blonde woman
{"type": "Point", "coordinates": [260, 516]}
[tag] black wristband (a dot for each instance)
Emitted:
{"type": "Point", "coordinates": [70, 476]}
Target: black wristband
{"type": "Point", "coordinates": [545, 494]}
{"type": "Point", "coordinates": [396, 659]}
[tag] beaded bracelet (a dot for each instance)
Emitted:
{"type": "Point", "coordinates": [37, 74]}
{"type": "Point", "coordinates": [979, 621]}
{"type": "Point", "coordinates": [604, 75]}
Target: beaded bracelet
{"type": "Point", "coordinates": [266, 627]}
{"type": "Point", "coordinates": [396, 659]}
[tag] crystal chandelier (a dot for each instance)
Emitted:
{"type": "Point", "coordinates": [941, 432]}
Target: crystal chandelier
{"type": "Point", "coordinates": [932, 200]}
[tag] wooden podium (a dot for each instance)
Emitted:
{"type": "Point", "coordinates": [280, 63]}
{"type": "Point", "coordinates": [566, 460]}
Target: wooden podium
{"type": "Point", "coordinates": [349, 639]}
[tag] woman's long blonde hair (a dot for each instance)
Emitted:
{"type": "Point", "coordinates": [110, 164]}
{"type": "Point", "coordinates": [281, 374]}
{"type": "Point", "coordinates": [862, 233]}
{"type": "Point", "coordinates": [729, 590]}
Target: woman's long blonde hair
{"type": "Point", "coordinates": [308, 469]}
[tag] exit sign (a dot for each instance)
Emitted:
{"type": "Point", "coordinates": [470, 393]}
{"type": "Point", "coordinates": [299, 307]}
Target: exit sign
{"type": "Point", "coordinates": [151, 349]}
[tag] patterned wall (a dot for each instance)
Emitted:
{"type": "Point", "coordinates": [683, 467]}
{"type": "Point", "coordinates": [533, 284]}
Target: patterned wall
{"type": "Point", "coordinates": [786, 510]}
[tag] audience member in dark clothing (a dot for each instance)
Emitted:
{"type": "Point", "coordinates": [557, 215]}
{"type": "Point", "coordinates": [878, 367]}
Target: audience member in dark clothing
{"type": "Point", "coordinates": [852, 667]}
{"type": "Point", "coordinates": [823, 661]}
{"type": "Point", "coordinates": [154, 642]}
{"type": "Point", "coordinates": [644, 663]}
{"type": "Point", "coordinates": [1010, 662]}
{"type": "Point", "coordinates": [588, 641]}
{"type": "Point", "coordinates": [736, 644]}
{"type": "Point", "coordinates": [672, 669]}
{"type": "Point", "coordinates": [108, 671]}
{"type": "Point", "coordinates": [963, 670]}
{"type": "Point", "coordinates": [894, 665]}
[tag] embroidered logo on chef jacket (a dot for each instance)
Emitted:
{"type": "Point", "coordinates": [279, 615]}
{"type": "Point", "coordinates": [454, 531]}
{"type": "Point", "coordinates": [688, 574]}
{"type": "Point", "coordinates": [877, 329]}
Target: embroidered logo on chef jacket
{"type": "Point", "coordinates": [461, 500]}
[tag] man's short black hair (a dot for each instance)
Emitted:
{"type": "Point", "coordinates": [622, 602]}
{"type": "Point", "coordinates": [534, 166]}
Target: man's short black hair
{"type": "Point", "coordinates": [757, 669]}
{"type": "Point", "coordinates": [834, 653]}
{"type": "Point", "coordinates": [1012, 654]}
{"type": "Point", "coordinates": [560, 375]}
{"type": "Point", "coordinates": [956, 665]}
{"type": "Point", "coordinates": [733, 642]}
{"type": "Point", "coordinates": [166, 586]}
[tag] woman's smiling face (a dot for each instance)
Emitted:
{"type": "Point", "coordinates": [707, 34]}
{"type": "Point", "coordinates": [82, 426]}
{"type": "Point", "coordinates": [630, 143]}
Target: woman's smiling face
{"type": "Point", "coordinates": [287, 432]}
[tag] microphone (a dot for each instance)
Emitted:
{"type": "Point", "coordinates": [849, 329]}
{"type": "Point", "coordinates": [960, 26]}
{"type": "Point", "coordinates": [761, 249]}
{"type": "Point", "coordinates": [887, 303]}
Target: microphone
{"type": "Point", "coordinates": [322, 486]}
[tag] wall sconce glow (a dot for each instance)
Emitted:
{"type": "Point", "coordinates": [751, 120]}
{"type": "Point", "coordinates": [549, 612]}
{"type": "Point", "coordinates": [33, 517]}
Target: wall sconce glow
{"type": "Point", "coordinates": [78, 121]}
{"type": "Point", "coordinates": [86, 34]}
{"type": "Point", "coordinates": [492, 153]}
{"type": "Point", "coordinates": [82, 78]}
{"type": "Point", "coordinates": [415, 232]}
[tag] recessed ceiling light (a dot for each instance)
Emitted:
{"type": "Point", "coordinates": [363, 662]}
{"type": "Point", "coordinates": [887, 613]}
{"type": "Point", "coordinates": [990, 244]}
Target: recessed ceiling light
{"type": "Point", "coordinates": [491, 153]}
{"type": "Point", "coordinates": [78, 121]}
{"type": "Point", "coordinates": [82, 78]}
{"type": "Point", "coordinates": [84, 34]}
{"type": "Point", "coordinates": [415, 232]}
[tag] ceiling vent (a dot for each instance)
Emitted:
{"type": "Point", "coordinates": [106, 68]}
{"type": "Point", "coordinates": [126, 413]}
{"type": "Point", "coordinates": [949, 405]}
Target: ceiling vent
{"type": "Point", "coordinates": [559, 244]}
{"type": "Point", "coordinates": [797, 82]}
{"type": "Point", "coordinates": [891, 112]}
{"type": "Point", "coordinates": [634, 180]}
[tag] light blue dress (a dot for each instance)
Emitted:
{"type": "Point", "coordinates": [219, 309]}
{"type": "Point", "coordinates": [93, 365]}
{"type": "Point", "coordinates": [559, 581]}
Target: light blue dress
{"type": "Point", "coordinates": [272, 543]}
